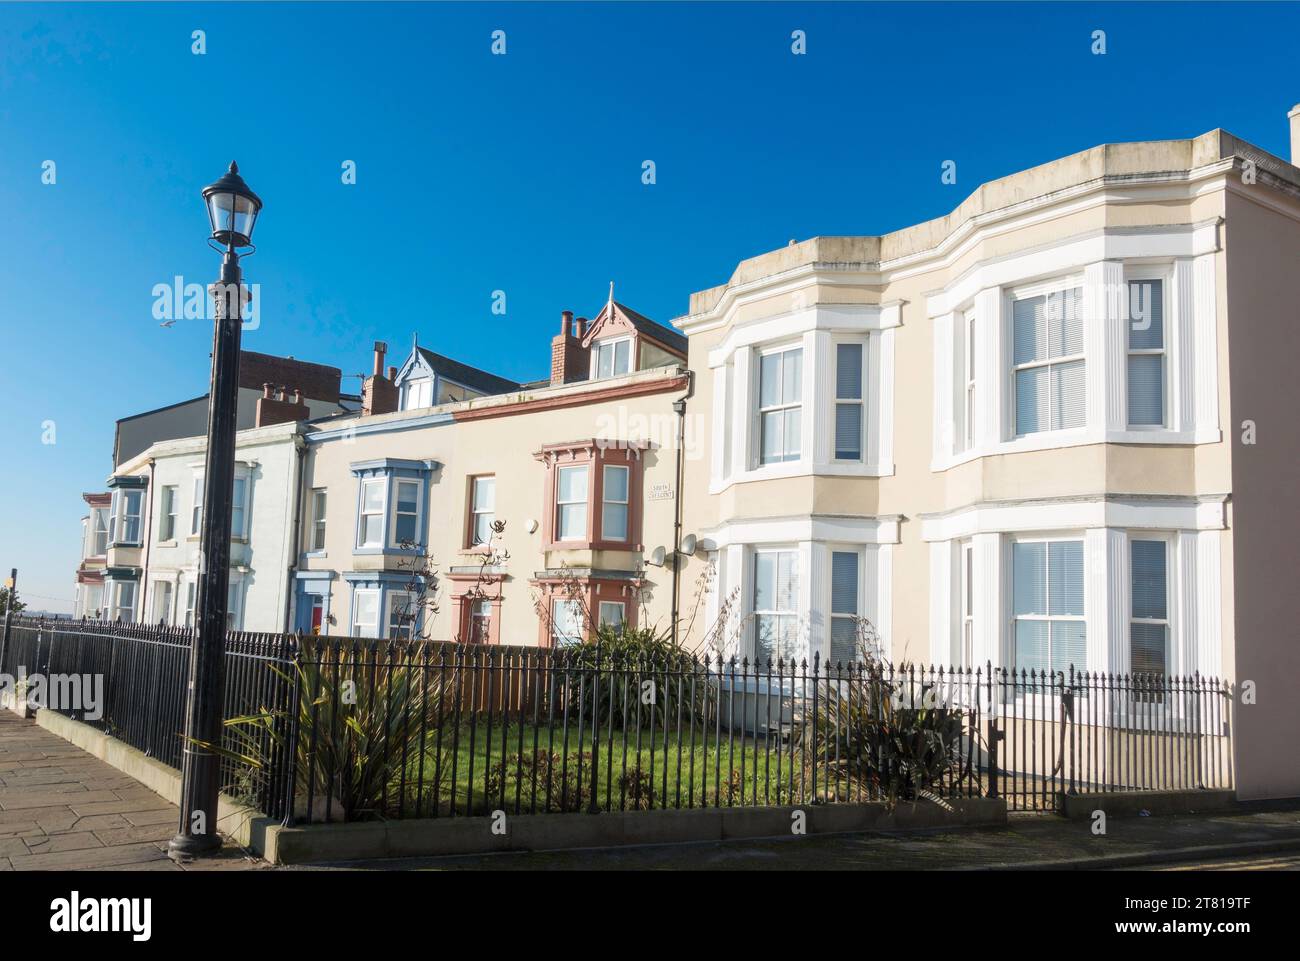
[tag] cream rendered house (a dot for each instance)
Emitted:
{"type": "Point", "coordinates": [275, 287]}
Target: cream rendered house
{"type": "Point", "coordinates": [1014, 435]}
{"type": "Point", "coordinates": [581, 469]}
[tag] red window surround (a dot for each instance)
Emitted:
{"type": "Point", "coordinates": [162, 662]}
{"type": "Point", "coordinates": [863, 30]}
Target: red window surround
{"type": "Point", "coordinates": [590, 590]}
{"type": "Point", "coordinates": [468, 588]}
{"type": "Point", "coordinates": [596, 454]}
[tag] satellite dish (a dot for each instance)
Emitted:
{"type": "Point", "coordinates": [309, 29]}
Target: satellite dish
{"type": "Point", "coordinates": [657, 557]}
{"type": "Point", "coordinates": [688, 545]}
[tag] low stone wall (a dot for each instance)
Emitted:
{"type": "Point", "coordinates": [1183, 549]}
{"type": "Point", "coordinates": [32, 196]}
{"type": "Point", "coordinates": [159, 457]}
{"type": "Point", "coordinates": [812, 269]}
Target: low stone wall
{"type": "Point", "coordinates": [1122, 804]}
{"type": "Point", "coordinates": [550, 832]}
{"type": "Point", "coordinates": [244, 825]}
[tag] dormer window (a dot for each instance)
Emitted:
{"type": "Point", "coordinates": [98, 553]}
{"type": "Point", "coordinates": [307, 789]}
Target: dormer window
{"type": "Point", "coordinates": [417, 393]}
{"type": "Point", "coordinates": [611, 358]}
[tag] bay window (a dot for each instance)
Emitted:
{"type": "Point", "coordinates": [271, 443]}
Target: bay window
{"type": "Point", "coordinates": [406, 513]}
{"type": "Point", "coordinates": [126, 520]}
{"type": "Point", "coordinates": [849, 414]}
{"type": "Point", "coordinates": [613, 518]}
{"type": "Point", "coordinates": [1146, 353]}
{"type": "Point", "coordinates": [780, 405]}
{"type": "Point", "coordinates": [365, 613]}
{"type": "Point", "coordinates": [370, 524]}
{"type": "Point", "coordinates": [1048, 631]}
{"type": "Point", "coordinates": [776, 604]}
{"type": "Point", "coordinates": [844, 607]}
{"type": "Point", "coordinates": [1047, 359]}
{"type": "Point", "coordinates": [238, 507]}
{"type": "Point", "coordinates": [417, 394]}
{"type": "Point", "coordinates": [964, 382]}
{"type": "Point", "coordinates": [566, 622]}
{"type": "Point", "coordinates": [122, 601]}
{"type": "Point", "coordinates": [1149, 618]}
{"type": "Point", "coordinates": [571, 503]}
{"type": "Point", "coordinates": [611, 615]}
{"type": "Point", "coordinates": [99, 524]}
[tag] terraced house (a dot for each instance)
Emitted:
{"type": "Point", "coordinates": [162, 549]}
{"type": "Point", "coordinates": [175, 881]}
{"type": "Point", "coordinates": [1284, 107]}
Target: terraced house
{"type": "Point", "coordinates": [1055, 427]}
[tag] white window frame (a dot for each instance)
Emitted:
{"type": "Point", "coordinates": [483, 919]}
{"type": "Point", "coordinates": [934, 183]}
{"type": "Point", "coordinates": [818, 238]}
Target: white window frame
{"type": "Point", "coordinates": [1164, 277]}
{"type": "Point", "coordinates": [168, 513]}
{"type": "Point", "coordinates": [480, 513]}
{"type": "Point", "coordinates": [393, 597]}
{"type": "Point", "coordinates": [793, 551]}
{"type": "Point", "coordinates": [239, 507]}
{"type": "Point", "coordinates": [116, 611]}
{"type": "Point", "coordinates": [191, 600]}
{"type": "Point", "coordinates": [584, 501]}
{"type": "Point", "coordinates": [854, 616]}
{"type": "Point", "coordinates": [417, 393]}
{"type": "Point", "coordinates": [123, 498]}
{"type": "Point", "coordinates": [319, 516]}
{"type": "Point", "coordinates": [786, 407]}
{"type": "Point", "coordinates": [163, 591]}
{"type": "Point", "coordinates": [1068, 537]}
{"type": "Point", "coordinates": [625, 504]}
{"type": "Point", "coordinates": [837, 402]}
{"type": "Point", "coordinates": [1167, 621]}
{"type": "Point", "coordinates": [963, 655]}
{"type": "Point", "coordinates": [610, 346]}
{"type": "Point", "coordinates": [235, 603]}
{"type": "Point", "coordinates": [1045, 289]}
{"type": "Point", "coordinates": [196, 511]}
{"type": "Point", "coordinates": [394, 507]}
{"type": "Point", "coordinates": [356, 627]}
{"type": "Point", "coordinates": [558, 639]}
{"type": "Point", "coordinates": [380, 512]}
{"type": "Point", "coordinates": [965, 374]}
{"type": "Point", "coordinates": [99, 527]}
{"type": "Point", "coordinates": [480, 622]}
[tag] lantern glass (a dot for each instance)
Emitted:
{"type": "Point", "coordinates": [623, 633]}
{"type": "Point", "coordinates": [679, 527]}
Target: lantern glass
{"type": "Point", "coordinates": [232, 216]}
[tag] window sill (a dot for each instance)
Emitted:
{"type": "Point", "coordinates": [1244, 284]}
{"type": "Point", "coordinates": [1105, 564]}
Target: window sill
{"type": "Point", "coordinates": [171, 542]}
{"type": "Point", "coordinates": [803, 468]}
{"type": "Point", "coordinates": [320, 553]}
{"type": "Point", "coordinates": [396, 551]}
{"type": "Point", "coordinates": [1059, 440]}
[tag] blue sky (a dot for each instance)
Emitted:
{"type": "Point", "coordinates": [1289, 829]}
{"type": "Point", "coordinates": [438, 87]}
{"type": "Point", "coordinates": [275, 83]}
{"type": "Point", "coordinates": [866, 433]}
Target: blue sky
{"type": "Point", "coordinates": [519, 173]}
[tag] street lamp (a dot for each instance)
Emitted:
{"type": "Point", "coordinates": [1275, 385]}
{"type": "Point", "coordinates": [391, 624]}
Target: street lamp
{"type": "Point", "coordinates": [232, 209]}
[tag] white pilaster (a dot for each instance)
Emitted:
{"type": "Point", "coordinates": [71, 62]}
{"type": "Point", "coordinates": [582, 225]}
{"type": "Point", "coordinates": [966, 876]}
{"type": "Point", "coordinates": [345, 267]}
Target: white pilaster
{"type": "Point", "coordinates": [1205, 321]}
{"type": "Point", "coordinates": [1209, 605]}
{"type": "Point", "coordinates": [1105, 345]}
{"type": "Point", "coordinates": [990, 605]}
{"type": "Point", "coordinates": [942, 593]}
{"type": "Point", "coordinates": [880, 429]}
{"type": "Point", "coordinates": [815, 595]}
{"type": "Point", "coordinates": [819, 383]}
{"type": "Point", "coordinates": [742, 371]}
{"type": "Point", "coordinates": [1180, 338]}
{"type": "Point", "coordinates": [942, 431]}
{"type": "Point", "coordinates": [991, 383]}
{"type": "Point", "coordinates": [1106, 566]}
{"type": "Point", "coordinates": [1182, 603]}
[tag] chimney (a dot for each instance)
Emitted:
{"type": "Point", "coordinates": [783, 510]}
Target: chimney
{"type": "Point", "coordinates": [379, 393]}
{"type": "Point", "coordinates": [273, 408]}
{"type": "Point", "coordinates": [568, 358]}
{"type": "Point", "coordinates": [1294, 117]}
{"type": "Point", "coordinates": [580, 331]}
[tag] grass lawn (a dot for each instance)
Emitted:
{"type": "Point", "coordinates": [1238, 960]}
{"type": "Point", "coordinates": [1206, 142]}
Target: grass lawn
{"type": "Point", "coordinates": [751, 771]}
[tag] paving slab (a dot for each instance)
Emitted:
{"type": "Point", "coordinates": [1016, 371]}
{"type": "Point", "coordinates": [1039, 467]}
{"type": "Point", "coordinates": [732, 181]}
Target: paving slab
{"type": "Point", "coordinates": [64, 809]}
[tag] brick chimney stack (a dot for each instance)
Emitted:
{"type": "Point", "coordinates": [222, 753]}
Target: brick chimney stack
{"type": "Point", "coordinates": [379, 393]}
{"type": "Point", "coordinates": [274, 407]}
{"type": "Point", "coordinates": [569, 361]}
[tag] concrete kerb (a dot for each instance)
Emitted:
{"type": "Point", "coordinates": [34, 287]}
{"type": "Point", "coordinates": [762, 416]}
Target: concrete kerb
{"type": "Point", "coordinates": [552, 832]}
{"type": "Point", "coordinates": [243, 824]}
{"type": "Point", "coordinates": [1117, 804]}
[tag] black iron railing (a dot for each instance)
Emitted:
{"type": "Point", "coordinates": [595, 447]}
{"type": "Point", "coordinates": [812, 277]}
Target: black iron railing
{"type": "Point", "coordinates": [324, 729]}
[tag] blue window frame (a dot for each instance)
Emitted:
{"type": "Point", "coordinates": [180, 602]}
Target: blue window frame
{"type": "Point", "coordinates": [392, 506]}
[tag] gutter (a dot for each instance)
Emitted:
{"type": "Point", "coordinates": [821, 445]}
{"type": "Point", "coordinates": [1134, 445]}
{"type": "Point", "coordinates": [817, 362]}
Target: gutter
{"type": "Point", "coordinates": [299, 445]}
{"type": "Point", "coordinates": [679, 406]}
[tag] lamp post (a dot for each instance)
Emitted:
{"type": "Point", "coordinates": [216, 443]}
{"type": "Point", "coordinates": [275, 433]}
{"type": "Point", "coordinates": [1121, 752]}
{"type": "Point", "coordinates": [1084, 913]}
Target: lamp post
{"type": "Point", "coordinates": [233, 209]}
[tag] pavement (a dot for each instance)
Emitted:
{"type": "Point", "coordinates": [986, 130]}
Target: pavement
{"type": "Point", "coordinates": [64, 809]}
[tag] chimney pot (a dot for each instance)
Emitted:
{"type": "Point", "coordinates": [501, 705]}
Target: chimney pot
{"type": "Point", "coordinates": [266, 390]}
{"type": "Point", "coordinates": [392, 373]}
{"type": "Point", "coordinates": [381, 349]}
{"type": "Point", "coordinates": [580, 330]}
{"type": "Point", "coordinates": [566, 322]}
{"type": "Point", "coordinates": [297, 395]}
{"type": "Point", "coordinates": [1294, 117]}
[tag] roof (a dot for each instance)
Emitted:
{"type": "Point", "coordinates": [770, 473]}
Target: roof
{"type": "Point", "coordinates": [466, 375]}
{"type": "Point", "coordinates": [668, 336]}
